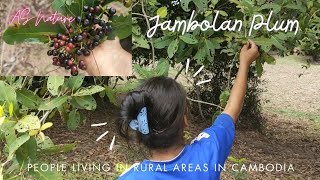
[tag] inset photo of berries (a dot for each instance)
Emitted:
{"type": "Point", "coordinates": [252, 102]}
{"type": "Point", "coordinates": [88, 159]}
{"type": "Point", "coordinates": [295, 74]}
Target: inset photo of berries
{"type": "Point", "coordinates": [65, 37]}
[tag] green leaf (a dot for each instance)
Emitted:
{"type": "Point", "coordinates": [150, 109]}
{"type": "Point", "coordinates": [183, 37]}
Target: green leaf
{"type": "Point", "coordinates": [296, 7]}
{"type": "Point", "coordinates": [222, 13]}
{"type": "Point", "coordinates": [111, 95]}
{"type": "Point", "coordinates": [84, 102]}
{"type": "Point", "coordinates": [47, 143]}
{"type": "Point", "coordinates": [74, 120]}
{"type": "Point", "coordinates": [188, 38]}
{"type": "Point", "coordinates": [128, 86]}
{"type": "Point", "coordinates": [53, 84]}
{"type": "Point", "coordinates": [275, 7]}
{"type": "Point", "coordinates": [278, 44]}
{"type": "Point", "coordinates": [248, 5]}
{"type": "Point", "coordinates": [162, 12]}
{"type": "Point", "coordinates": [27, 153]}
{"type": "Point", "coordinates": [268, 59]}
{"type": "Point", "coordinates": [8, 128]}
{"type": "Point", "coordinates": [28, 123]}
{"type": "Point", "coordinates": [88, 90]}
{"type": "Point", "coordinates": [259, 67]}
{"type": "Point", "coordinates": [136, 29]}
{"type": "Point", "coordinates": [69, 2]}
{"type": "Point", "coordinates": [31, 33]}
{"type": "Point", "coordinates": [143, 73]}
{"type": "Point", "coordinates": [173, 47]}
{"type": "Point", "coordinates": [45, 175]}
{"type": "Point", "coordinates": [200, 57]}
{"type": "Point", "coordinates": [210, 46]}
{"type": "Point", "coordinates": [264, 43]}
{"type": "Point", "coordinates": [28, 98]}
{"type": "Point", "coordinates": [58, 4]}
{"type": "Point", "coordinates": [163, 42]}
{"type": "Point", "coordinates": [140, 41]}
{"type": "Point", "coordinates": [75, 82]}
{"type": "Point", "coordinates": [162, 67]}
{"type": "Point", "coordinates": [201, 4]}
{"type": "Point", "coordinates": [185, 5]}
{"type": "Point", "coordinates": [63, 148]}
{"type": "Point", "coordinates": [15, 145]}
{"type": "Point", "coordinates": [53, 103]}
{"type": "Point", "coordinates": [7, 93]}
{"type": "Point", "coordinates": [224, 97]}
{"type": "Point", "coordinates": [214, 2]}
{"type": "Point", "coordinates": [66, 7]}
{"type": "Point", "coordinates": [121, 27]}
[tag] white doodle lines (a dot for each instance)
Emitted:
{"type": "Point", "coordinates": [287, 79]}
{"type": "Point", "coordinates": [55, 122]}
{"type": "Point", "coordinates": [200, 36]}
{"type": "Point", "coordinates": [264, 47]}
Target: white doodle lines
{"type": "Point", "coordinates": [104, 134]}
{"type": "Point", "coordinates": [195, 74]}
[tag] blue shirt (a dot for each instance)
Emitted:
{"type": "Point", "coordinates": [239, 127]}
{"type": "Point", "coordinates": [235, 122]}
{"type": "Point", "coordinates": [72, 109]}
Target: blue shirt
{"type": "Point", "coordinates": [203, 159]}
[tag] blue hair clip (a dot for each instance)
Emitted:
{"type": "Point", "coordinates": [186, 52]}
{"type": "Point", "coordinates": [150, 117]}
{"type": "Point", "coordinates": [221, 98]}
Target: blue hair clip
{"type": "Point", "coordinates": [141, 123]}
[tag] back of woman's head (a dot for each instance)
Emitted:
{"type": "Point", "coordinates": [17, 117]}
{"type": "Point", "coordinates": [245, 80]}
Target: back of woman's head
{"type": "Point", "coordinates": [165, 102]}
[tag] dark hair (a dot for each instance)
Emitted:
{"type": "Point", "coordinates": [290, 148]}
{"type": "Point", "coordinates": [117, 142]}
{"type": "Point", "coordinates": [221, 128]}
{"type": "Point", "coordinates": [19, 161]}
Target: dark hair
{"type": "Point", "coordinates": [166, 105]}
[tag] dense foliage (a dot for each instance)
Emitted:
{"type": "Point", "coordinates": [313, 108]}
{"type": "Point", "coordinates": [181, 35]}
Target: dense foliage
{"type": "Point", "coordinates": [218, 51]}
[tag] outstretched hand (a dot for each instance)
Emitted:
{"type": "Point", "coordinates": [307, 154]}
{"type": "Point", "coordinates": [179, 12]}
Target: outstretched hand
{"type": "Point", "coordinates": [109, 59]}
{"type": "Point", "coordinates": [249, 53]}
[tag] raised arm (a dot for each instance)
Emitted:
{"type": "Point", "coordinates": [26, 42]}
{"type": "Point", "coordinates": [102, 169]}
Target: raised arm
{"type": "Point", "coordinates": [248, 54]}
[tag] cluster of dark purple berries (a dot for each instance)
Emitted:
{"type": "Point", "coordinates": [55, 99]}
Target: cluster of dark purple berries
{"type": "Point", "coordinates": [80, 38]}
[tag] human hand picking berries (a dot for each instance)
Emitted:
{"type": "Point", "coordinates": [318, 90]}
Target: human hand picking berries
{"type": "Point", "coordinates": [249, 53]}
{"type": "Point", "coordinates": [109, 59]}
{"type": "Point", "coordinates": [81, 37]}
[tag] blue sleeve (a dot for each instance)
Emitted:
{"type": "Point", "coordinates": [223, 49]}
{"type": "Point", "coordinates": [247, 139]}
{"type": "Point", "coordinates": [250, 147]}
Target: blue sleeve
{"type": "Point", "coordinates": [220, 135]}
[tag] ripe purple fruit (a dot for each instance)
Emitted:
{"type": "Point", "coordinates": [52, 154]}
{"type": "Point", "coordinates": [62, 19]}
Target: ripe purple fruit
{"type": "Point", "coordinates": [59, 35]}
{"type": "Point", "coordinates": [91, 29]}
{"type": "Point", "coordinates": [89, 16]}
{"type": "Point", "coordinates": [74, 71]}
{"type": "Point", "coordinates": [81, 63]}
{"type": "Point", "coordinates": [101, 34]}
{"type": "Point", "coordinates": [97, 10]}
{"type": "Point", "coordinates": [96, 43]}
{"type": "Point", "coordinates": [90, 46]}
{"type": "Point", "coordinates": [55, 52]}
{"type": "Point", "coordinates": [91, 9]}
{"type": "Point", "coordinates": [49, 53]}
{"type": "Point", "coordinates": [96, 38]}
{"type": "Point", "coordinates": [102, 23]}
{"type": "Point", "coordinates": [79, 52]}
{"type": "Point", "coordinates": [70, 63]}
{"type": "Point", "coordinates": [86, 52]}
{"type": "Point", "coordinates": [96, 20]}
{"type": "Point", "coordinates": [112, 11]}
{"type": "Point", "coordinates": [84, 67]}
{"type": "Point", "coordinates": [62, 55]}
{"type": "Point", "coordinates": [86, 22]}
{"type": "Point", "coordinates": [79, 38]}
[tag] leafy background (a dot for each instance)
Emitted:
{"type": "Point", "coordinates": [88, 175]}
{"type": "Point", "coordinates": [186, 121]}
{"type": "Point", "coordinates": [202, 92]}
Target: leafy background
{"type": "Point", "coordinates": [218, 51]}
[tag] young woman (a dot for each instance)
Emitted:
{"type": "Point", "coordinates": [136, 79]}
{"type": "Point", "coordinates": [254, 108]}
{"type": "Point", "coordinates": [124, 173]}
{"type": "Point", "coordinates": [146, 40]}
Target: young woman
{"type": "Point", "coordinates": [157, 111]}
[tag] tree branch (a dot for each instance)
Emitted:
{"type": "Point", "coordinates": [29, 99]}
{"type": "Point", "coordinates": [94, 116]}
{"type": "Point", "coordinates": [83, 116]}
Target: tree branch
{"type": "Point", "coordinates": [148, 24]}
{"type": "Point", "coordinates": [203, 102]}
